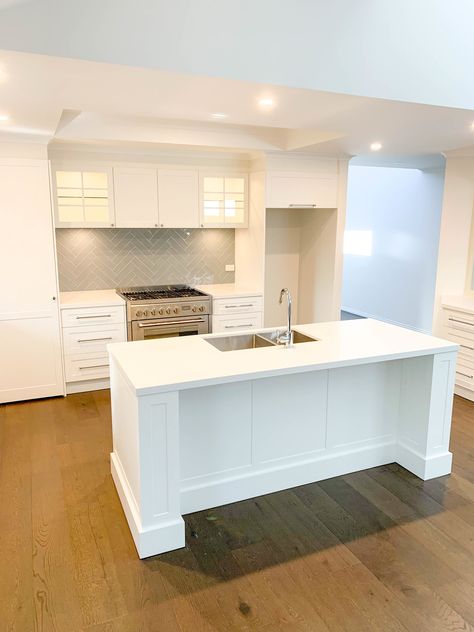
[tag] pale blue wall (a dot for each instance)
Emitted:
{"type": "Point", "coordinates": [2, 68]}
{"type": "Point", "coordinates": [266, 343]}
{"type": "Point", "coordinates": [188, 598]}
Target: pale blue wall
{"type": "Point", "coordinates": [402, 208]}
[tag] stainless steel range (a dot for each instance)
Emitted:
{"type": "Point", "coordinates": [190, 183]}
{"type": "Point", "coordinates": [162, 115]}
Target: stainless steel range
{"type": "Point", "coordinates": [164, 311]}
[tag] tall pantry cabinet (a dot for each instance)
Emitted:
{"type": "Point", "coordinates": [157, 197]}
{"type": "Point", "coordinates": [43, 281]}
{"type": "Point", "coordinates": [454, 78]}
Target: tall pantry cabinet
{"type": "Point", "coordinates": [30, 351]}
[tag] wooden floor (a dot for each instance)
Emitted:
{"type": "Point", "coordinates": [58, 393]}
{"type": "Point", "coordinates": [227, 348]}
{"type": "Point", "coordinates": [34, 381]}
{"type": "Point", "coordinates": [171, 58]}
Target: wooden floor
{"type": "Point", "coordinates": [374, 551]}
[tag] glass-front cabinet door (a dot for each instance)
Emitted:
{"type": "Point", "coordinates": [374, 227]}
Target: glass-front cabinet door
{"type": "Point", "coordinates": [224, 200]}
{"type": "Point", "coordinates": [83, 197]}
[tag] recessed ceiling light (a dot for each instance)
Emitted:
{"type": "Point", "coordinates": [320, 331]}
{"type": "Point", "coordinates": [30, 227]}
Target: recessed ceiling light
{"type": "Point", "coordinates": [266, 102]}
{"type": "Point", "coordinates": [219, 115]}
{"type": "Point", "coordinates": [3, 118]}
{"type": "Point", "coordinates": [376, 146]}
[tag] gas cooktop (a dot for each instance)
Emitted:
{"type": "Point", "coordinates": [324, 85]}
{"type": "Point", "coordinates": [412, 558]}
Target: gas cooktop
{"type": "Point", "coordinates": [158, 292]}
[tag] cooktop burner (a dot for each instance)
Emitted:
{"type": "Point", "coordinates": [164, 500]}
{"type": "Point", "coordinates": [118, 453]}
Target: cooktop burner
{"type": "Point", "coordinates": [158, 292]}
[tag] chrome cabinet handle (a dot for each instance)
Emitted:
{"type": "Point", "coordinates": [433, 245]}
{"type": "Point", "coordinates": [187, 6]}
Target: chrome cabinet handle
{"type": "Point", "coordinates": [94, 316]}
{"type": "Point", "coordinates": [95, 366]}
{"type": "Point", "coordinates": [302, 205]}
{"type": "Point", "coordinates": [465, 375]}
{"type": "Point", "coordinates": [171, 322]}
{"type": "Point", "coordinates": [237, 326]}
{"type": "Point", "coordinates": [95, 339]}
{"type": "Point", "coordinates": [232, 306]}
{"type": "Point", "coordinates": [464, 322]}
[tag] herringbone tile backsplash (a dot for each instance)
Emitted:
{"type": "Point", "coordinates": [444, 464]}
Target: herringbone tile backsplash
{"type": "Point", "coordinates": [100, 258]}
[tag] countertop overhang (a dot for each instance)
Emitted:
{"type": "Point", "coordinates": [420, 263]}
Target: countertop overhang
{"type": "Point", "coordinates": [172, 364]}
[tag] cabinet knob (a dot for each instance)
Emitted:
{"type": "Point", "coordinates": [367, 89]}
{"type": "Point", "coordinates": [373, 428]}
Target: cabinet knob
{"type": "Point", "coordinates": [161, 225]}
{"type": "Point", "coordinates": [112, 224]}
{"type": "Point", "coordinates": [54, 298]}
{"type": "Point", "coordinates": [156, 225]}
{"type": "Point", "coordinates": [202, 225]}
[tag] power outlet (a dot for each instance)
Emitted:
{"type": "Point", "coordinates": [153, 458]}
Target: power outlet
{"type": "Point", "coordinates": [230, 267]}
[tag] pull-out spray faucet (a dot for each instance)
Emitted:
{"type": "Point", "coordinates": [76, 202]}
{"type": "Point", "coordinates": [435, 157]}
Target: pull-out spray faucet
{"type": "Point", "coordinates": [286, 337]}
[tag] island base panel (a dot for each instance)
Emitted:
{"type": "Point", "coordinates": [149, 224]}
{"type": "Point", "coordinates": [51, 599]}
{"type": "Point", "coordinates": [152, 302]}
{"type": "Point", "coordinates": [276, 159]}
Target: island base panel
{"type": "Point", "coordinates": [203, 447]}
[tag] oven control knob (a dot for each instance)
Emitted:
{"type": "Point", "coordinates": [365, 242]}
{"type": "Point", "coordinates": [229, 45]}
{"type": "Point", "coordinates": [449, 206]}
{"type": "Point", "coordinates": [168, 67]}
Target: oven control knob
{"type": "Point", "coordinates": [175, 310]}
{"type": "Point", "coordinates": [161, 311]}
{"type": "Point", "coordinates": [202, 308]}
{"type": "Point", "coordinates": [145, 313]}
{"type": "Point", "coordinates": [138, 313]}
{"type": "Point", "coordinates": [152, 313]}
{"type": "Point", "coordinates": [195, 309]}
{"type": "Point", "coordinates": [168, 310]}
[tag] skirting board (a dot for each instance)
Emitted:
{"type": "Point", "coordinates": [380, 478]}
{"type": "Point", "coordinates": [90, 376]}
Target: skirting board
{"type": "Point", "coordinates": [87, 385]}
{"type": "Point", "coordinates": [424, 468]}
{"type": "Point", "coordinates": [260, 482]}
{"type": "Point", "coordinates": [464, 392]}
{"type": "Point", "coordinates": [152, 540]}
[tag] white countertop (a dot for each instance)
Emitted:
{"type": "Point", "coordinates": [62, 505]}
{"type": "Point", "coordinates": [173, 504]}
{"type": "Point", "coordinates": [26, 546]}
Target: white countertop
{"type": "Point", "coordinates": [89, 298]}
{"type": "Point", "coordinates": [228, 290]}
{"type": "Point", "coordinates": [464, 303]}
{"type": "Point", "coordinates": [172, 364]}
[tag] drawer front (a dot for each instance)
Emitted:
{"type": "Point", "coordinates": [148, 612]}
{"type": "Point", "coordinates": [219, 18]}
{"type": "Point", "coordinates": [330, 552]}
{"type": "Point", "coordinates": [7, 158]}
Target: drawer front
{"type": "Point", "coordinates": [466, 345]}
{"type": "Point", "coordinates": [91, 339]}
{"type": "Point", "coordinates": [464, 375]}
{"type": "Point", "coordinates": [229, 324]}
{"type": "Point", "coordinates": [92, 367]}
{"type": "Point", "coordinates": [241, 305]}
{"type": "Point", "coordinates": [93, 316]}
{"type": "Point", "coordinates": [459, 322]}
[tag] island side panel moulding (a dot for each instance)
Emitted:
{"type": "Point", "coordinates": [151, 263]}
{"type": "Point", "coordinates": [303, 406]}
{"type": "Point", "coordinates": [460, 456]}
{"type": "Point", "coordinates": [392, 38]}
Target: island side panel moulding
{"type": "Point", "coordinates": [425, 422]}
{"type": "Point", "coordinates": [215, 431]}
{"type": "Point", "coordinates": [367, 395]}
{"type": "Point", "coordinates": [289, 417]}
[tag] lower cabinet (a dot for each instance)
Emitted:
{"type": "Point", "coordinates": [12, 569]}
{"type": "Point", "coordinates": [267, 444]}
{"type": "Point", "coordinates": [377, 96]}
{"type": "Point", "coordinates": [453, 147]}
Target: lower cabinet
{"type": "Point", "coordinates": [459, 327]}
{"type": "Point", "coordinates": [233, 314]}
{"type": "Point", "coordinates": [86, 333]}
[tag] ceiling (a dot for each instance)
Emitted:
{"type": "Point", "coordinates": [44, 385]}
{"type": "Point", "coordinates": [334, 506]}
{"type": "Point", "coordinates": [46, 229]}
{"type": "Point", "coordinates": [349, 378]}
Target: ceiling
{"type": "Point", "coordinates": [57, 99]}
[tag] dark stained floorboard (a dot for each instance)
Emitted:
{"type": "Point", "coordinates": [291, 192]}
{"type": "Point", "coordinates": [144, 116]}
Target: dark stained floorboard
{"type": "Point", "coordinates": [378, 550]}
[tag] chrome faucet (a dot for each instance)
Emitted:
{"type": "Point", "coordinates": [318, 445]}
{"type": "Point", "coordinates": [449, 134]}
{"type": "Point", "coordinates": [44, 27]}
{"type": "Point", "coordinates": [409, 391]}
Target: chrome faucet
{"type": "Point", "coordinates": [286, 337]}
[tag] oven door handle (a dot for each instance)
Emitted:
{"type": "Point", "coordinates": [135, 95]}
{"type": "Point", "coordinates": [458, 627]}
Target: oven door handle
{"type": "Point", "coordinates": [190, 321]}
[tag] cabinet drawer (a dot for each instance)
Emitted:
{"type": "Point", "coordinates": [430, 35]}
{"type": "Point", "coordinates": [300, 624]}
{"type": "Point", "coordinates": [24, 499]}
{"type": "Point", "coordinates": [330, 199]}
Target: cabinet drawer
{"type": "Point", "coordinates": [93, 316]}
{"type": "Point", "coordinates": [464, 375]}
{"type": "Point", "coordinates": [466, 345]}
{"type": "Point", "coordinates": [91, 339]}
{"type": "Point", "coordinates": [229, 324]}
{"type": "Point", "coordinates": [460, 322]}
{"type": "Point", "coordinates": [91, 367]}
{"type": "Point", "coordinates": [241, 305]}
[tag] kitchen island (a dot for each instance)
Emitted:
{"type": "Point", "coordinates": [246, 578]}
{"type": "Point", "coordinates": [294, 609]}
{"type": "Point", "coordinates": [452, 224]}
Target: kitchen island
{"type": "Point", "coordinates": [196, 425]}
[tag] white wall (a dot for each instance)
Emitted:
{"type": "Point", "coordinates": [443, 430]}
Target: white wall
{"type": "Point", "coordinates": [456, 255]}
{"type": "Point", "coordinates": [410, 50]}
{"type": "Point", "coordinates": [402, 209]}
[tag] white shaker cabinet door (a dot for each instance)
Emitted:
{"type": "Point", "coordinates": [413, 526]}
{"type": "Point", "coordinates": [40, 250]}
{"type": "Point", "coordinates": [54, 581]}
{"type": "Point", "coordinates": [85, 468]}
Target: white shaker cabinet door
{"type": "Point", "coordinates": [30, 356]}
{"type": "Point", "coordinates": [297, 190]}
{"type": "Point", "coordinates": [178, 194]}
{"type": "Point", "coordinates": [136, 197]}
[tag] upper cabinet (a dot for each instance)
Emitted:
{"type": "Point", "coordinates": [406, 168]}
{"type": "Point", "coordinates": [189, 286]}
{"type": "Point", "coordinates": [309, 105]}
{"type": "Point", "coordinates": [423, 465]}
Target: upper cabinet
{"type": "Point", "coordinates": [224, 200]}
{"type": "Point", "coordinates": [136, 197]}
{"type": "Point", "coordinates": [83, 197]}
{"type": "Point", "coordinates": [301, 190]}
{"type": "Point", "coordinates": [178, 198]}
{"type": "Point", "coordinates": [148, 196]}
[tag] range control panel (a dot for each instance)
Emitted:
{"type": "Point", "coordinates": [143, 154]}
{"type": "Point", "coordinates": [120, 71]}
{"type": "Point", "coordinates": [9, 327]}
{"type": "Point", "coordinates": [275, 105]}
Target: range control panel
{"type": "Point", "coordinates": [170, 310]}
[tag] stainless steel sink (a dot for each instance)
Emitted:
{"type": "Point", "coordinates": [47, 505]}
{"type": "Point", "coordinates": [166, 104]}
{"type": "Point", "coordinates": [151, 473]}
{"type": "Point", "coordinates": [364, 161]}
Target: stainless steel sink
{"type": "Point", "coordinates": [237, 342]}
{"type": "Point", "coordinates": [298, 337]}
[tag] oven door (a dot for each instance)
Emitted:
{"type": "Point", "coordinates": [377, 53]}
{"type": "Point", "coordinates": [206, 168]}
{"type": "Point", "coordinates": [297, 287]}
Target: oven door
{"type": "Point", "coordinates": [169, 328]}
